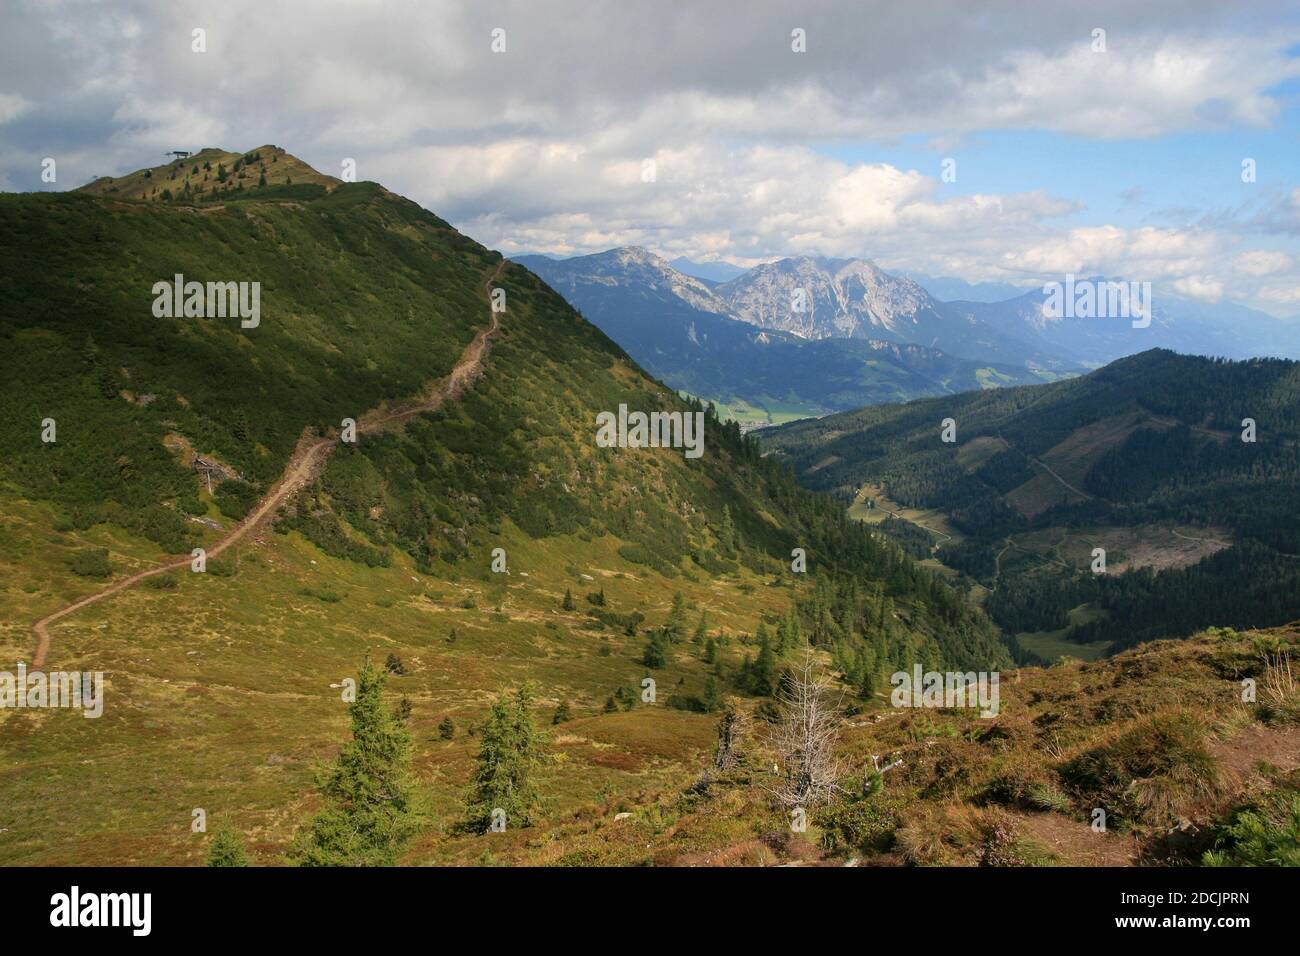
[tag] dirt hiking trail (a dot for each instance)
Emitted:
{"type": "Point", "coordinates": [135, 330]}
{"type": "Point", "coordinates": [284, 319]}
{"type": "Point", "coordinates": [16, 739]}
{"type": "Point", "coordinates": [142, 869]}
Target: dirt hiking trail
{"type": "Point", "coordinates": [306, 462]}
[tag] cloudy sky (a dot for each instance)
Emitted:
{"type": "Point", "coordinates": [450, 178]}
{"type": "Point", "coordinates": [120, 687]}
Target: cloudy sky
{"type": "Point", "coordinates": [1067, 150]}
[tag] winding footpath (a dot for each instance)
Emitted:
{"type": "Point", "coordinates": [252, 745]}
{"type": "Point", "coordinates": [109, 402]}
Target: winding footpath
{"type": "Point", "coordinates": [306, 462]}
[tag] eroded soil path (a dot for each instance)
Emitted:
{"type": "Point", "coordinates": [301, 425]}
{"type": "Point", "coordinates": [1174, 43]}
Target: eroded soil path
{"type": "Point", "coordinates": [306, 462]}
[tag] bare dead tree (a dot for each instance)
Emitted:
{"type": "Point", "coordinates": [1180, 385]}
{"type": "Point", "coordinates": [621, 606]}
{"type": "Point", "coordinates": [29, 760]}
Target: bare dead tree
{"type": "Point", "coordinates": [806, 737]}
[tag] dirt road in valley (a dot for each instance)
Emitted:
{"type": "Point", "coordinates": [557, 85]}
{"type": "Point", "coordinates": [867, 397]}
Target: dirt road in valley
{"type": "Point", "coordinates": [306, 462]}
{"type": "Point", "coordinates": [1065, 483]}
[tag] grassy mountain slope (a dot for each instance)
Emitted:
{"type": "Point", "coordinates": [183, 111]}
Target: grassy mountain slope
{"type": "Point", "coordinates": [1157, 738]}
{"type": "Point", "coordinates": [222, 687]}
{"type": "Point", "coordinates": [354, 312]}
{"type": "Point", "coordinates": [1143, 458]}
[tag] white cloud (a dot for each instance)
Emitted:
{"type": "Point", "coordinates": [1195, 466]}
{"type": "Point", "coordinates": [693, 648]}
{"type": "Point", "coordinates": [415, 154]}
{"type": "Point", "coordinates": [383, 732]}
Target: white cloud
{"type": "Point", "coordinates": [12, 107]}
{"type": "Point", "coordinates": [542, 147]}
{"type": "Point", "coordinates": [1199, 287]}
{"type": "Point", "coordinates": [1282, 295]}
{"type": "Point", "coordinates": [1262, 262]}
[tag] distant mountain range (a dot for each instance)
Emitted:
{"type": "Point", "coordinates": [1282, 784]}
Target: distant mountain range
{"type": "Point", "coordinates": [808, 335]}
{"type": "Point", "coordinates": [709, 271]}
{"type": "Point", "coordinates": [722, 341]}
{"type": "Point", "coordinates": [1224, 329]}
{"type": "Point", "coordinates": [948, 289]}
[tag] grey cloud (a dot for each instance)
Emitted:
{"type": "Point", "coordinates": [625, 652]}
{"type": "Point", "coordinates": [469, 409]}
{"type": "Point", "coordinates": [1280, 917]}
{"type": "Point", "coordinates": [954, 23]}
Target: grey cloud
{"type": "Point", "coordinates": [531, 147]}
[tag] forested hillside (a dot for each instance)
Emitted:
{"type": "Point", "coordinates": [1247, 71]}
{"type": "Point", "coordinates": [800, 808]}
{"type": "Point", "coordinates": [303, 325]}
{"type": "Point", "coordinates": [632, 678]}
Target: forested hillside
{"type": "Point", "coordinates": [354, 311]}
{"type": "Point", "coordinates": [1157, 443]}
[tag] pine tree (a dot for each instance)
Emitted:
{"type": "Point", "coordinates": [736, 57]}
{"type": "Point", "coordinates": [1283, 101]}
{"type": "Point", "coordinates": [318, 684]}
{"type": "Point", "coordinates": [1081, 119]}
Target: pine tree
{"type": "Point", "coordinates": [762, 677]}
{"type": "Point", "coordinates": [656, 651]}
{"type": "Point", "coordinates": [562, 713]}
{"type": "Point", "coordinates": [783, 639]}
{"type": "Point", "coordinates": [794, 628]}
{"type": "Point", "coordinates": [240, 427]}
{"type": "Point", "coordinates": [446, 728]}
{"type": "Point", "coordinates": [727, 533]}
{"type": "Point", "coordinates": [369, 810]}
{"type": "Point", "coordinates": [109, 383]}
{"type": "Point", "coordinates": [733, 727]}
{"type": "Point", "coordinates": [511, 749]}
{"type": "Point", "coordinates": [227, 849]}
{"type": "Point", "coordinates": [568, 600]}
{"type": "Point", "coordinates": [610, 707]}
{"type": "Point", "coordinates": [675, 628]}
{"type": "Point", "coordinates": [867, 683]}
{"type": "Point", "coordinates": [710, 651]}
{"type": "Point", "coordinates": [701, 629]}
{"type": "Point", "coordinates": [712, 696]}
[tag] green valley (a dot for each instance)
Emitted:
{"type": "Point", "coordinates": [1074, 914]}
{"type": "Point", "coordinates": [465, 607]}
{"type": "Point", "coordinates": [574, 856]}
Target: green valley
{"type": "Point", "coordinates": [1181, 475]}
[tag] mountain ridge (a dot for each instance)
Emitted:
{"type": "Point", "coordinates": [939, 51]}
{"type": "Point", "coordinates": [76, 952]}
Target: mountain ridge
{"type": "Point", "coordinates": [614, 564]}
{"type": "Point", "coordinates": [687, 334]}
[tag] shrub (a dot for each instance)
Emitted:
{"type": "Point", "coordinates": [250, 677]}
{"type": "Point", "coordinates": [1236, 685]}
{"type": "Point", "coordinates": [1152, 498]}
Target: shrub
{"type": "Point", "coordinates": [322, 593]}
{"type": "Point", "coordinates": [1044, 796]}
{"type": "Point", "coordinates": [686, 702]}
{"type": "Point", "coordinates": [1003, 846]}
{"type": "Point", "coordinates": [939, 834]}
{"type": "Point", "coordinates": [227, 850]}
{"type": "Point", "coordinates": [234, 499]}
{"type": "Point", "coordinates": [1266, 835]}
{"type": "Point", "coordinates": [1150, 773]}
{"type": "Point", "coordinates": [866, 825]}
{"type": "Point", "coordinates": [91, 563]}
